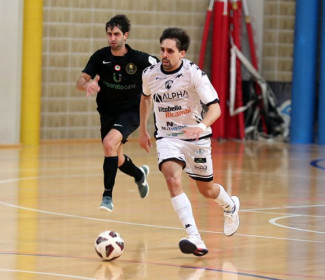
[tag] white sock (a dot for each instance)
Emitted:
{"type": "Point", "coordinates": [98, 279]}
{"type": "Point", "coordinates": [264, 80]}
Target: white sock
{"type": "Point", "coordinates": [183, 208]}
{"type": "Point", "coordinates": [224, 200]}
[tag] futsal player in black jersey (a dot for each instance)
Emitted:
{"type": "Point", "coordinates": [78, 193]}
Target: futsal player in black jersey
{"type": "Point", "coordinates": [114, 74]}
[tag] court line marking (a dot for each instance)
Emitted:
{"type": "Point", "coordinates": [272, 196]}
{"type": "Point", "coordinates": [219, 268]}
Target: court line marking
{"type": "Point", "coordinates": [46, 273]}
{"type": "Point", "coordinates": [285, 206]}
{"type": "Point", "coordinates": [151, 226]}
{"type": "Point", "coordinates": [315, 163]}
{"type": "Point", "coordinates": [257, 210]}
{"type": "Point", "coordinates": [219, 270]}
{"type": "Point", "coordinates": [165, 265]}
{"type": "Point", "coordinates": [274, 222]}
{"type": "Point", "coordinates": [152, 171]}
{"type": "Point", "coordinates": [285, 214]}
{"type": "Point", "coordinates": [227, 271]}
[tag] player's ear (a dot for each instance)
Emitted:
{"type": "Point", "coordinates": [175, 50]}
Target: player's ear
{"type": "Point", "coordinates": [126, 35]}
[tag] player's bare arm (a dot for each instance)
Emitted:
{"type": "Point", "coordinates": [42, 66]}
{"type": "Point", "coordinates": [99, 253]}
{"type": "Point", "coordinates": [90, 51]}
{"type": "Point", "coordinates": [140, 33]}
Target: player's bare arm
{"type": "Point", "coordinates": [85, 83]}
{"type": "Point", "coordinates": [145, 109]}
{"type": "Point", "coordinates": [211, 116]}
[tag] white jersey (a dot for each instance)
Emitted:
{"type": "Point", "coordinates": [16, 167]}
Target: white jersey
{"type": "Point", "coordinates": [179, 97]}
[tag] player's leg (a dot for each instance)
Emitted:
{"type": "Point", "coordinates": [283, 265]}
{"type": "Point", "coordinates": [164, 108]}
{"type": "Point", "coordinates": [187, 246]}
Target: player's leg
{"type": "Point", "coordinates": [111, 144]}
{"type": "Point", "coordinates": [171, 166]}
{"type": "Point", "coordinates": [200, 168]}
{"type": "Point", "coordinates": [140, 174]}
{"type": "Point", "coordinates": [128, 123]}
{"type": "Point", "coordinates": [229, 204]}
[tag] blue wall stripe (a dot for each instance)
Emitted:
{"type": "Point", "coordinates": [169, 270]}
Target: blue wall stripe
{"type": "Point", "coordinates": [304, 72]}
{"type": "Point", "coordinates": [321, 95]}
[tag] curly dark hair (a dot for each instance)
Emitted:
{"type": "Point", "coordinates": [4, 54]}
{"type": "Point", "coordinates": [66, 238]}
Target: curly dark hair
{"type": "Point", "coordinates": [179, 35]}
{"type": "Point", "coordinates": [120, 21]}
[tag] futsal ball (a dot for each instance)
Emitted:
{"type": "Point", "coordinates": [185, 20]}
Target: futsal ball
{"type": "Point", "coordinates": [109, 245]}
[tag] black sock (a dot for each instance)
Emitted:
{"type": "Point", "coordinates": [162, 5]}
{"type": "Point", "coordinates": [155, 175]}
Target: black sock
{"type": "Point", "coordinates": [110, 169]}
{"type": "Point", "coordinates": [130, 169]}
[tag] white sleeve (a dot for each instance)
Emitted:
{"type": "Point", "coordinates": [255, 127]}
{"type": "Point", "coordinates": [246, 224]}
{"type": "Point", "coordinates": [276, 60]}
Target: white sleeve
{"type": "Point", "coordinates": [203, 86]}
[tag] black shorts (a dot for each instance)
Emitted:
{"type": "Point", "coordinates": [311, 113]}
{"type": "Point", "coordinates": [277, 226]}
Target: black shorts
{"type": "Point", "coordinates": [125, 122]}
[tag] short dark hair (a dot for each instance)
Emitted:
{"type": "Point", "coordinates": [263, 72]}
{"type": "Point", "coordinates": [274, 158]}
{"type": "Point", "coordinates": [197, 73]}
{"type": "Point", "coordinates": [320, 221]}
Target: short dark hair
{"type": "Point", "coordinates": [120, 21]}
{"type": "Point", "coordinates": [179, 35]}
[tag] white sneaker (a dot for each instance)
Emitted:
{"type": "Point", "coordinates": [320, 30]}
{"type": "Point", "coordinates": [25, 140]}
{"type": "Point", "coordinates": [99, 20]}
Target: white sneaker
{"type": "Point", "coordinates": [193, 245]}
{"type": "Point", "coordinates": [232, 219]}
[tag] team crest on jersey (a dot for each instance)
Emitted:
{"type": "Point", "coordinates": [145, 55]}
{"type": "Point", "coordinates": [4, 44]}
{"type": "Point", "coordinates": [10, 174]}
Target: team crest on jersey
{"type": "Point", "coordinates": [117, 67]}
{"type": "Point", "coordinates": [168, 84]}
{"type": "Point", "coordinates": [131, 68]}
{"type": "Point", "coordinates": [117, 77]}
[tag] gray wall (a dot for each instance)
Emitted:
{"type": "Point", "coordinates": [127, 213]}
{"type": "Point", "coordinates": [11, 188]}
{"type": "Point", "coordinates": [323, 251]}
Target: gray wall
{"type": "Point", "coordinates": [10, 71]}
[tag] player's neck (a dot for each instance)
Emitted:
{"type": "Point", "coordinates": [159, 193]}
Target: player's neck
{"type": "Point", "coordinates": [119, 51]}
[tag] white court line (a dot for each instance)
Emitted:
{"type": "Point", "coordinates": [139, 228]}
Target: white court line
{"type": "Point", "coordinates": [86, 218]}
{"type": "Point", "coordinates": [285, 207]}
{"type": "Point", "coordinates": [274, 222]}
{"type": "Point", "coordinates": [257, 210]}
{"type": "Point", "coordinates": [62, 176]}
{"type": "Point", "coordinates": [287, 216]}
{"type": "Point", "coordinates": [279, 213]}
{"type": "Point", "coordinates": [152, 226]}
{"type": "Point", "coordinates": [46, 273]}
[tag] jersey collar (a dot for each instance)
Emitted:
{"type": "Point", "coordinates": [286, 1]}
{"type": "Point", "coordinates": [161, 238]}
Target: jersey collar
{"type": "Point", "coordinates": [171, 72]}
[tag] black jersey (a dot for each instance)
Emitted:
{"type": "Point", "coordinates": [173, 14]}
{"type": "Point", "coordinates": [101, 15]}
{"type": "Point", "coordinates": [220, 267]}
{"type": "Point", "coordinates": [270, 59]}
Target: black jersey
{"type": "Point", "coordinates": [120, 78]}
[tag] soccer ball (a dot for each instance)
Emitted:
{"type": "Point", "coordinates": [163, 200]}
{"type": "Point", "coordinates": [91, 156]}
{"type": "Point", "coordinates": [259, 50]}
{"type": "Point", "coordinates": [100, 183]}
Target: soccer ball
{"type": "Point", "coordinates": [109, 245]}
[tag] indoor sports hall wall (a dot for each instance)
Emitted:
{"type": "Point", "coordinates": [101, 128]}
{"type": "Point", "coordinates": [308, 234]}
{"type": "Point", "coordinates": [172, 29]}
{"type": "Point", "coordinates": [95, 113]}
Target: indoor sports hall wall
{"type": "Point", "coordinates": [75, 29]}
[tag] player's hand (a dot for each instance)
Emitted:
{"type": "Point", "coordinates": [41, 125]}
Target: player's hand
{"type": "Point", "coordinates": [193, 132]}
{"type": "Point", "coordinates": [144, 141]}
{"type": "Point", "coordinates": [92, 87]}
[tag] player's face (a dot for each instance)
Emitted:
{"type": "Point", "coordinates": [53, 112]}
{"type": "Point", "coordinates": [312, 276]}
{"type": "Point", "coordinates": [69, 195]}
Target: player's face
{"type": "Point", "coordinates": [171, 57]}
{"type": "Point", "coordinates": [116, 38]}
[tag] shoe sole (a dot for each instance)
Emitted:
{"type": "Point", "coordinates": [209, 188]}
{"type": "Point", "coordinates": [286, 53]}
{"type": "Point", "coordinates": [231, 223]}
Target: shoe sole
{"type": "Point", "coordinates": [237, 208]}
{"type": "Point", "coordinates": [105, 209]}
{"type": "Point", "coordinates": [188, 247]}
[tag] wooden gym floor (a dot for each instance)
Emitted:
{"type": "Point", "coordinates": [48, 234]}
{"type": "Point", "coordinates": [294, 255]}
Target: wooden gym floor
{"type": "Point", "coordinates": [49, 215]}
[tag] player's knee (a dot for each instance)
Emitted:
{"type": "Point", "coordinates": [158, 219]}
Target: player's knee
{"type": "Point", "coordinates": [110, 146]}
{"type": "Point", "coordinates": [173, 181]}
{"type": "Point", "coordinates": [207, 192]}
{"type": "Point", "coordinates": [174, 185]}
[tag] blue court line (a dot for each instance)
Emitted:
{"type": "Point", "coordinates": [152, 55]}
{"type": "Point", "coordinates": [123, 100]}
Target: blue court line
{"type": "Point", "coordinates": [150, 263]}
{"type": "Point", "coordinates": [315, 163]}
{"type": "Point", "coordinates": [231, 272]}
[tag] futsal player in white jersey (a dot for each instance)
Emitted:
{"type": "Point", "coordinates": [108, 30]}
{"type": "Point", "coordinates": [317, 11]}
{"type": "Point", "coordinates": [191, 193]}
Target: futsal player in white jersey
{"type": "Point", "coordinates": [185, 106]}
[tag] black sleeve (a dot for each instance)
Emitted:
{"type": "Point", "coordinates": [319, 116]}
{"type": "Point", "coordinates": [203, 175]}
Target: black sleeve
{"type": "Point", "coordinates": [147, 59]}
{"type": "Point", "coordinates": [92, 65]}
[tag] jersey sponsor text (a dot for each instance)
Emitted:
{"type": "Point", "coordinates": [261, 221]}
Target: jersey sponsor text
{"type": "Point", "coordinates": [178, 114]}
{"type": "Point", "coordinates": [170, 108]}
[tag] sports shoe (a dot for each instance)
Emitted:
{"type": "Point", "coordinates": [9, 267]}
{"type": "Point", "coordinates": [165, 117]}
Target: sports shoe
{"type": "Point", "coordinates": [107, 204]}
{"type": "Point", "coordinates": [232, 219]}
{"type": "Point", "coordinates": [143, 186]}
{"type": "Point", "coordinates": [193, 245]}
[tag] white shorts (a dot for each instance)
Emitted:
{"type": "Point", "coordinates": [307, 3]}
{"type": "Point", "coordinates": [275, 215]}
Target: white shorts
{"type": "Point", "coordinates": [196, 156]}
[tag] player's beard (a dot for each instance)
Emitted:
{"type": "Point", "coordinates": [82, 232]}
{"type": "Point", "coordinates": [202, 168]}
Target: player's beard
{"type": "Point", "coordinates": [166, 64]}
{"type": "Point", "coordinates": [116, 46]}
